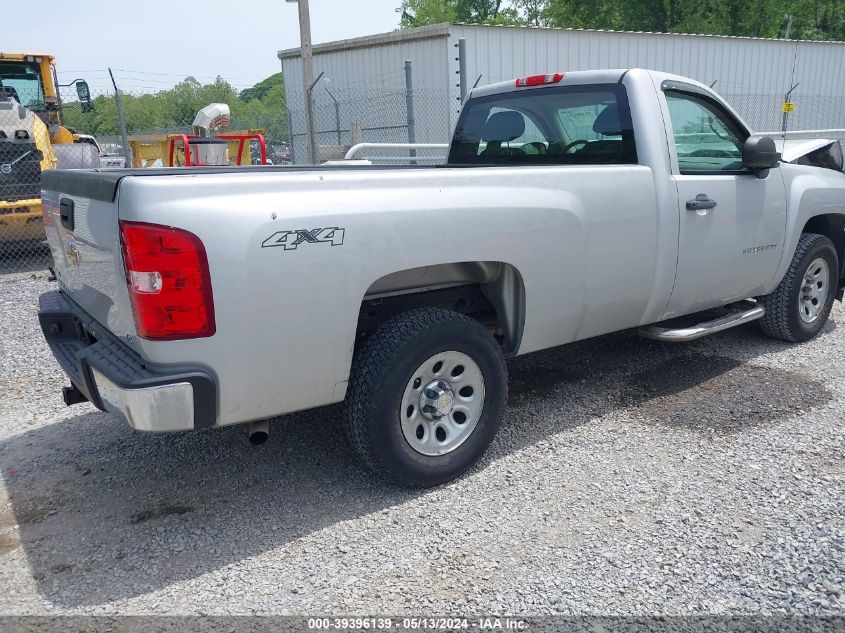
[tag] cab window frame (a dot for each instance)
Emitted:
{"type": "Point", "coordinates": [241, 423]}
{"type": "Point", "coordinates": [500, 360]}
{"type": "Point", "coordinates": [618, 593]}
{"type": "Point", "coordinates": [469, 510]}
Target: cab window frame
{"type": "Point", "coordinates": [690, 91]}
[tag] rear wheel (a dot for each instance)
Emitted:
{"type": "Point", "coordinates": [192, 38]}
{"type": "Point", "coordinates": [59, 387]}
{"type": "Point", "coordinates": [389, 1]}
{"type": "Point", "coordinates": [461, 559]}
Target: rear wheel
{"type": "Point", "coordinates": [799, 307]}
{"type": "Point", "coordinates": [426, 393]}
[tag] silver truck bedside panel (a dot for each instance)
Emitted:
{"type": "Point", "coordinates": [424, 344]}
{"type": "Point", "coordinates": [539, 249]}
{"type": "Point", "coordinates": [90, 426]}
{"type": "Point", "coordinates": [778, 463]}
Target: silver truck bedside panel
{"type": "Point", "coordinates": [162, 408]}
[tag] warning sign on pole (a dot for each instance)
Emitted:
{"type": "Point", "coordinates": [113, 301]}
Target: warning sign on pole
{"type": "Point", "coordinates": [788, 106]}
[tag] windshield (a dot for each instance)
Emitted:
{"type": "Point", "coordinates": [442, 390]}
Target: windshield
{"type": "Point", "coordinates": [22, 82]}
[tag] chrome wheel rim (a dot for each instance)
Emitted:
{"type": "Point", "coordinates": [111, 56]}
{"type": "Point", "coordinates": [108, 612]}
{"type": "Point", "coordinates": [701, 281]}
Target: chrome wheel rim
{"type": "Point", "coordinates": [814, 290]}
{"type": "Point", "coordinates": [442, 403]}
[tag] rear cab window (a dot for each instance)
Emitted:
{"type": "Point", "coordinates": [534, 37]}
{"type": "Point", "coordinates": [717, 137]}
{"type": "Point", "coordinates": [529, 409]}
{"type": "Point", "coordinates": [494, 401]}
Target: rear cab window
{"type": "Point", "coordinates": [560, 125]}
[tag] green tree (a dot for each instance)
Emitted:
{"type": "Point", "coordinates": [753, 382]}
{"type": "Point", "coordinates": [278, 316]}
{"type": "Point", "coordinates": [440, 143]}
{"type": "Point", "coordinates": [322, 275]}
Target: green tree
{"type": "Point", "coordinates": [264, 104]}
{"type": "Point", "coordinates": [173, 110]}
{"type": "Point", "coordinates": [812, 19]}
{"type": "Point", "coordinates": [423, 12]}
{"type": "Point", "coordinates": [274, 84]}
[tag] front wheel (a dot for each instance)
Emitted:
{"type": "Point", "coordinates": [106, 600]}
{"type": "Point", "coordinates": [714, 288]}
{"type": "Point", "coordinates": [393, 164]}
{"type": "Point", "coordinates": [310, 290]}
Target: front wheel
{"type": "Point", "coordinates": [426, 393]}
{"type": "Point", "coordinates": [799, 307]}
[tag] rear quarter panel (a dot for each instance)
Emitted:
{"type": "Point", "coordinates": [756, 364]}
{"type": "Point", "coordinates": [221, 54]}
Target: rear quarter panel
{"type": "Point", "coordinates": [582, 238]}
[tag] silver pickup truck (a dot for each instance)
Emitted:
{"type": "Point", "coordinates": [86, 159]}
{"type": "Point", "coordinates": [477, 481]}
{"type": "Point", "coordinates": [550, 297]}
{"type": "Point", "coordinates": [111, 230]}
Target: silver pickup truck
{"type": "Point", "coordinates": [572, 205]}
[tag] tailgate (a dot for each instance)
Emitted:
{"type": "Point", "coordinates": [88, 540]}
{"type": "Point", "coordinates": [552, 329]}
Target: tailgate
{"type": "Point", "coordinates": [81, 224]}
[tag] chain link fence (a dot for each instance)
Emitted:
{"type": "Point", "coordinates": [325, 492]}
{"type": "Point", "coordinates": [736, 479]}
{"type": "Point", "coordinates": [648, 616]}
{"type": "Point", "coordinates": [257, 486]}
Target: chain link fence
{"type": "Point", "coordinates": [31, 139]}
{"type": "Point", "coordinates": [763, 112]}
{"type": "Point", "coordinates": [39, 133]}
{"type": "Point", "coordinates": [346, 117]}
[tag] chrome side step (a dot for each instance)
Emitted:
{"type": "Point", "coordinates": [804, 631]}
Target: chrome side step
{"type": "Point", "coordinates": [746, 311]}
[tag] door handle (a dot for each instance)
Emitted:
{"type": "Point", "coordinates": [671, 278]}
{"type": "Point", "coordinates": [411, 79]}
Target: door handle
{"type": "Point", "coordinates": [66, 212]}
{"type": "Point", "coordinates": [701, 202]}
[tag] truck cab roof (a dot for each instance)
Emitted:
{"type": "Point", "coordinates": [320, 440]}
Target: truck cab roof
{"type": "Point", "coordinates": [581, 77]}
{"type": "Point", "coordinates": [607, 76]}
{"type": "Point", "coordinates": [578, 77]}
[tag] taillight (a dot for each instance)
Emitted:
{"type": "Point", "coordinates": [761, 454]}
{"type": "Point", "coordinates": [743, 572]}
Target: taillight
{"type": "Point", "coordinates": [539, 80]}
{"type": "Point", "coordinates": [169, 283]}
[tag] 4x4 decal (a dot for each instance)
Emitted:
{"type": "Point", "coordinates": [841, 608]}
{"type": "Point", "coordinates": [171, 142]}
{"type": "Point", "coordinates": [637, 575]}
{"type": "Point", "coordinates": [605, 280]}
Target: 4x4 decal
{"type": "Point", "coordinates": [290, 240]}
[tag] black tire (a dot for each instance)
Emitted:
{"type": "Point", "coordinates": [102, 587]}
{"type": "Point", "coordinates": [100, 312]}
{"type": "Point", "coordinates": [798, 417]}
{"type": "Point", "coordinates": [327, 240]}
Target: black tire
{"type": "Point", "coordinates": [383, 367]}
{"type": "Point", "coordinates": [783, 319]}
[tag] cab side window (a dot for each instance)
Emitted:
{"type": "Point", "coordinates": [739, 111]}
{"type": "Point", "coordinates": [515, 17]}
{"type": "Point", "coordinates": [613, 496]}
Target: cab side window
{"type": "Point", "coordinates": [707, 139]}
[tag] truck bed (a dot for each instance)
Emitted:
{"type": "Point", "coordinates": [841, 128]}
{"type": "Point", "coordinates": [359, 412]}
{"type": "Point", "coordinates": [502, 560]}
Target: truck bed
{"type": "Point", "coordinates": [276, 300]}
{"type": "Point", "coordinates": [102, 184]}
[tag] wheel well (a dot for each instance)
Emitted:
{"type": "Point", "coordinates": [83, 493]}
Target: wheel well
{"type": "Point", "coordinates": [493, 293]}
{"type": "Point", "coordinates": [830, 225]}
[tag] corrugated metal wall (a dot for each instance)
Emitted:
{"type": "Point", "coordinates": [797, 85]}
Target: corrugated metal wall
{"type": "Point", "coordinates": [753, 73]}
{"type": "Point", "coordinates": [749, 64]}
{"type": "Point", "coordinates": [368, 81]}
{"type": "Point", "coordinates": [367, 74]}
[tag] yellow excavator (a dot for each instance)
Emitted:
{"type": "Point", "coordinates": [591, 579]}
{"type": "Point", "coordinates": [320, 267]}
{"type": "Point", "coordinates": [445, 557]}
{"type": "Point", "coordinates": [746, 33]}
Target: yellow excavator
{"type": "Point", "coordinates": [32, 139]}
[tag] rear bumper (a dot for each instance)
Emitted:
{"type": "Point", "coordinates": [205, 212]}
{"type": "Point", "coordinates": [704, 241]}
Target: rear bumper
{"type": "Point", "coordinates": [115, 379]}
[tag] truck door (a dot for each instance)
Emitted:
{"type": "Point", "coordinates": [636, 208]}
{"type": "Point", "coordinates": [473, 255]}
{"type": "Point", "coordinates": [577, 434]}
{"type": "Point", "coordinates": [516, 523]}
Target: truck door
{"type": "Point", "coordinates": [732, 222]}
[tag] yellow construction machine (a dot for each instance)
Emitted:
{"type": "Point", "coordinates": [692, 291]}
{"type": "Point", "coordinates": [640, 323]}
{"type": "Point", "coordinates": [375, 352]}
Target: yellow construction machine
{"type": "Point", "coordinates": [32, 139]}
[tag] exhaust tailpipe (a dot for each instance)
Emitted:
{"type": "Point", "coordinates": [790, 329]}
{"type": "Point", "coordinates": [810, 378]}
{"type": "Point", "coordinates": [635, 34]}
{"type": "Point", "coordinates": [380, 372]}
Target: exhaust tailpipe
{"type": "Point", "coordinates": [259, 432]}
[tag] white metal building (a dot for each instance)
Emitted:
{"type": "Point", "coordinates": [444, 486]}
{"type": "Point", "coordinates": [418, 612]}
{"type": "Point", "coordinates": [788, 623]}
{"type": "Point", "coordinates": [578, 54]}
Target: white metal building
{"type": "Point", "coordinates": [367, 77]}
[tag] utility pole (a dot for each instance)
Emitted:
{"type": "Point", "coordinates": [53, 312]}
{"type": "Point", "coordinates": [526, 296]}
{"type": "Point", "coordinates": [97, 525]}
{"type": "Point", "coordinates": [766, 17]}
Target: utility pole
{"type": "Point", "coordinates": [409, 105]}
{"type": "Point", "coordinates": [462, 67]}
{"type": "Point", "coordinates": [307, 77]}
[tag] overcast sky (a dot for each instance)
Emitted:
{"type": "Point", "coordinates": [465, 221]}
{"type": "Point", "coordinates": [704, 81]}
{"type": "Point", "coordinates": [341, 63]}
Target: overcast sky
{"type": "Point", "coordinates": [156, 43]}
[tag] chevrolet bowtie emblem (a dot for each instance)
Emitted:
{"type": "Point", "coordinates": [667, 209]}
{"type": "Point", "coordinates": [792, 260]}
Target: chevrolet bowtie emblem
{"type": "Point", "coordinates": [72, 255]}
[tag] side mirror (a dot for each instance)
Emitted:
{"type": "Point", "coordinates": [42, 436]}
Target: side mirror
{"type": "Point", "coordinates": [760, 154]}
{"type": "Point", "coordinates": [84, 94]}
{"type": "Point", "coordinates": [82, 90]}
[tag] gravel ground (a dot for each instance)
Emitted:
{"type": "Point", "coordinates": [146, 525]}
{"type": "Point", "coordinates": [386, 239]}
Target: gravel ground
{"type": "Point", "coordinates": [630, 477]}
